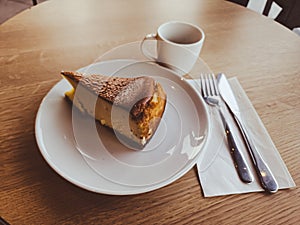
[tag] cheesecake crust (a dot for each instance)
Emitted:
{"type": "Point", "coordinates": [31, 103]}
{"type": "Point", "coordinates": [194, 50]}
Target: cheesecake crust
{"type": "Point", "coordinates": [129, 93]}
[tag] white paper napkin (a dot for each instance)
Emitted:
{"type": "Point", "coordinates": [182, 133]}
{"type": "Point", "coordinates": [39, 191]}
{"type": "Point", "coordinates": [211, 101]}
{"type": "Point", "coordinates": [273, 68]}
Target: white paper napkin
{"type": "Point", "coordinates": [217, 173]}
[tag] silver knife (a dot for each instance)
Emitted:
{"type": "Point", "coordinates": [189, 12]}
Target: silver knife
{"type": "Point", "coordinates": [263, 171]}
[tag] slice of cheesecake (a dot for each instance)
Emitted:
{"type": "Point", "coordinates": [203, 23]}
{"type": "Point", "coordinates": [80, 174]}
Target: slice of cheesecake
{"type": "Point", "coordinates": [130, 106]}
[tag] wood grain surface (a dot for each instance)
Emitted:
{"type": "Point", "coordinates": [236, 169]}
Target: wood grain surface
{"type": "Point", "coordinates": [69, 34]}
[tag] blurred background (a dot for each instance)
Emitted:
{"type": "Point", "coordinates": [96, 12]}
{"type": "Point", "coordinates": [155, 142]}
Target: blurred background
{"type": "Point", "coordinates": [289, 16]}
{"type": "Point", "coordinates": [10, 8]}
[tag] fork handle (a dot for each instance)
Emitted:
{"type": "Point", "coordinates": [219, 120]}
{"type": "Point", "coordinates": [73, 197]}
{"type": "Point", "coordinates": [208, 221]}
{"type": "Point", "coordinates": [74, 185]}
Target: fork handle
{"type": "Point", "coordinates": [238, 158]}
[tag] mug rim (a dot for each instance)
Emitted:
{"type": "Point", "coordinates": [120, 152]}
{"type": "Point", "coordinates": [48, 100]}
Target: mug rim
{"type": "Point", "coordinates": [159, 33]}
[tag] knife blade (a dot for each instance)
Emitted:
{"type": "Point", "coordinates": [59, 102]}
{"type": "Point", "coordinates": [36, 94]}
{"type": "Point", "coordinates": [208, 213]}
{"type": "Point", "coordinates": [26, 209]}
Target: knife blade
{"type": "Point", "coordinates": [266, 177]}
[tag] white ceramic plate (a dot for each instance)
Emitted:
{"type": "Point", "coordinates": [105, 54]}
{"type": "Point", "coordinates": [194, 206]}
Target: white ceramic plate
{"type": "Point", "coordinates": [98, 162]}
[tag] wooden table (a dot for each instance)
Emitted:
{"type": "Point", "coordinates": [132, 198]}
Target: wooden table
{"type": "Point", "coordinates": [66, 34]}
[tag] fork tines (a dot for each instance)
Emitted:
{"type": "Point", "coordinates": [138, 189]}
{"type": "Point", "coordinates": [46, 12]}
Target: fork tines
{"type": "Point", "coordinates": [207, 81]}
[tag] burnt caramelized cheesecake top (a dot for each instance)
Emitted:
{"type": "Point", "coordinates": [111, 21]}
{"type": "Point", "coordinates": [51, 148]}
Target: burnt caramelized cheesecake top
{"type": "Point", "coordinates": [129, 93]}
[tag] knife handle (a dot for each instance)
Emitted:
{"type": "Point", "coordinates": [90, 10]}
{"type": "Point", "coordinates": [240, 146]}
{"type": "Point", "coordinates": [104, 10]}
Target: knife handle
{"type": "Point", "coordinates": [238, 158]}
{"type": "Point", "coordinates": [263, 171]}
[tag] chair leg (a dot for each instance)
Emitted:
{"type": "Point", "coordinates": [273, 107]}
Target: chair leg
{"type": "Point", "coordinates": [34, 2]}
{"type": "Point", "coordinates": [267, 7]}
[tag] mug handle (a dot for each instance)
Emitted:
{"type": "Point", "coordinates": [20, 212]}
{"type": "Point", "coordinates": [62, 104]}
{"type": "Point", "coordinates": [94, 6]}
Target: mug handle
{"type": "Point", "coordinates": [146, 53]}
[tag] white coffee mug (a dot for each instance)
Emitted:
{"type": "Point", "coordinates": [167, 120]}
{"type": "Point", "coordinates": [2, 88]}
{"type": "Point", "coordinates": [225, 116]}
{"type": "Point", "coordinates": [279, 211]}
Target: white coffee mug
{"type": "Point", "coordinates": [178, 45]}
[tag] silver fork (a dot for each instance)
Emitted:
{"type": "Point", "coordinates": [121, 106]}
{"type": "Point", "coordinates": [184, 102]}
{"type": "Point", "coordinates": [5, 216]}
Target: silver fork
{"type": "Point", "coordinates": [212, 97]}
